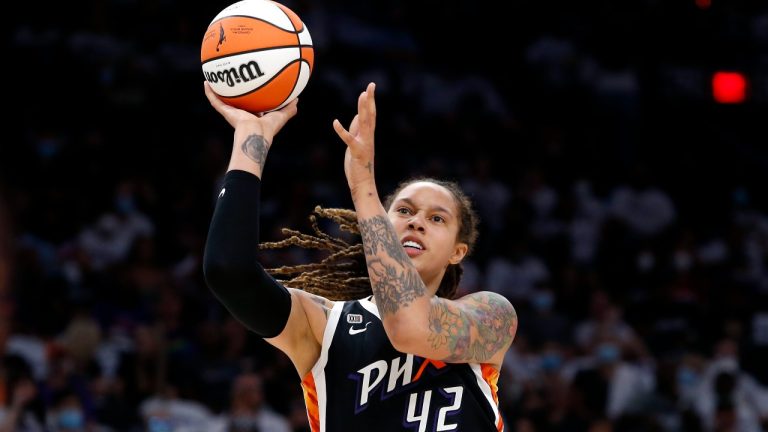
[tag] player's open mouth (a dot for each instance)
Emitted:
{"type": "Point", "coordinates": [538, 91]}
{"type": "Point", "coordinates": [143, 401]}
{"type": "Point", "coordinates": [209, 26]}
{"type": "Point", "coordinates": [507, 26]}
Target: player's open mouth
{"type": "Point", "coordinates": [412, 247]}
{"type": "Point", "coordinates": [412, 244]}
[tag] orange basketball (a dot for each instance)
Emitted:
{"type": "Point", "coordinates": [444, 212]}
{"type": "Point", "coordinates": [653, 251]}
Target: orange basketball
{"type": "Point", "coordinates": [257, 55]}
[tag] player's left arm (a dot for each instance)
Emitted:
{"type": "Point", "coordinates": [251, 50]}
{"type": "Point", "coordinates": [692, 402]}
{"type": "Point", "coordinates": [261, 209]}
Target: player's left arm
{"type": "Point", "coordinates": [477, 328]}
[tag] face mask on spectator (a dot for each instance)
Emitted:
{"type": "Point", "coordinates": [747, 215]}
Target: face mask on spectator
{"type": "Point", "coordinates": [551, 361]}
{"type": "Point", "coordinates": [158, 424]}
{"type": "Point", "coordinates": [686, 376]}
{"type": "Point", "coordinates": [70, 418]}
{"type": "Point", "coordinates": [608, 353]}
{"type": "Point", "coordinates": [124, 204]}
{"type": "Point", "coordinates": [542, 301]}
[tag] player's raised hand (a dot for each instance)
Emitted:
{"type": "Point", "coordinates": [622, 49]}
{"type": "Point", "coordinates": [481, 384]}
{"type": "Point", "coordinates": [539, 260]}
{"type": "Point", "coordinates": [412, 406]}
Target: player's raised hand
{"type": "Point", "coordinates": [358, 159]}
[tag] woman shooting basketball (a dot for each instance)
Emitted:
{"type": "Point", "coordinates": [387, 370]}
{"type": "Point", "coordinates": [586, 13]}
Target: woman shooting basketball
{"type": "Point", "coordinates": [407, 357]}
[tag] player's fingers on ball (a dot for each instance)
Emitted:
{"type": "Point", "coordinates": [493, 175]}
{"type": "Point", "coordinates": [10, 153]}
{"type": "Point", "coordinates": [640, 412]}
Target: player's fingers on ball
{"type": "Point", "coordinates": [293, 107]}
{"type": "Point", "coordinates": [289, 110]}
{"type": "Point", "coordinates": [290, 105]}
{"type": "Point", "coordinates": [216, 103]}
{"type": "Point", "coordinates": [209, 93]}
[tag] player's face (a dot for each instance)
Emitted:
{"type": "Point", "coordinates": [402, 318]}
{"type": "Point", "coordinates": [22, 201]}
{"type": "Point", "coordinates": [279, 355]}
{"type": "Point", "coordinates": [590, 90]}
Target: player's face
{"type": "Point", "coordinates": [426, 219]}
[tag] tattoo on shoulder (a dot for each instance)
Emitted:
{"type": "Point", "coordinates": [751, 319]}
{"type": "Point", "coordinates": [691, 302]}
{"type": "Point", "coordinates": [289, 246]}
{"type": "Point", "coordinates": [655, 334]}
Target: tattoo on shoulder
{"type": "Point", "coordinates": [394, 281]}
{"type": "Point", "coordinates": [324, 303]}
{"type": "Point", "coordinates": [475, 332]}
{"type": "Point", "coordinates": [255, 147]}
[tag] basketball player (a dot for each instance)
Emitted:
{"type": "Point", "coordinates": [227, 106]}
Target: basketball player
{"type": "Point", "coordinates": [407, 357]}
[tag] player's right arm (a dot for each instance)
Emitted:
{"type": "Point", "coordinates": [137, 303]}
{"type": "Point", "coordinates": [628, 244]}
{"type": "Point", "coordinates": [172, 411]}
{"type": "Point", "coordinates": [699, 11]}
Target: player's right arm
{"type": "Point", "coordinates": [290, 320]}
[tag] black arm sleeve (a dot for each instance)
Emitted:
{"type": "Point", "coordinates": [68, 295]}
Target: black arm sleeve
{"type": "Point", "coordinates": [231, 271]}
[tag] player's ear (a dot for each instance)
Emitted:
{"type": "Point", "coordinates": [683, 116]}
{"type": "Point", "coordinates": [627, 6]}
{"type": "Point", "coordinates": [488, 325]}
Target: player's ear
{"type": "Point", "coordinates": [459, 252]}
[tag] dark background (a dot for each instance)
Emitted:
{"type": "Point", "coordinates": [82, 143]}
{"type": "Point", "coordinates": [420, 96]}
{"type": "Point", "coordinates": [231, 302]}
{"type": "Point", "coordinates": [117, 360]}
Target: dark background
{"type": "Point", "coordinates": [106, 118]}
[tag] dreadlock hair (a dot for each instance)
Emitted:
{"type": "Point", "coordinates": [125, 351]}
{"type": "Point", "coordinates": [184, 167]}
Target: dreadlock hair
{"type": "Point", "coordinates": [343, 274]}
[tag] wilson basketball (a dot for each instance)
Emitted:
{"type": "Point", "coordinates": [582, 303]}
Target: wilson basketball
{"type": "Point", "coordinates": [257, 55]}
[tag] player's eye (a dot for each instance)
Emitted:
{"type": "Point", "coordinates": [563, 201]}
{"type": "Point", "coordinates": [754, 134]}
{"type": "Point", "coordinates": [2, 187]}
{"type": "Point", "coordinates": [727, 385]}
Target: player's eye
{"type": "Point", "coordinates": [403, 210]}
{"type": "Point", "coordinates": [438, 219]}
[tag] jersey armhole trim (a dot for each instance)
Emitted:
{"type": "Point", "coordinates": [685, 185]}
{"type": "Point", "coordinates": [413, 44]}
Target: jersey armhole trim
{"type": "Point", "coordinates": [330, 330]}
{"type": "Point", "coordinates": [370, 307]}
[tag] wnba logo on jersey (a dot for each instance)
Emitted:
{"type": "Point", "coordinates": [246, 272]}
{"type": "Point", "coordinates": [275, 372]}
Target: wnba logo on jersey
{"type": "Point", "coordinates": [354, 318]}
{"type": "Point", "coordinates": [398, 376]}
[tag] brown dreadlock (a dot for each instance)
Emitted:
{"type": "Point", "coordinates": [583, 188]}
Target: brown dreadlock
{"type": "Point", "coordinates": [343, 274]}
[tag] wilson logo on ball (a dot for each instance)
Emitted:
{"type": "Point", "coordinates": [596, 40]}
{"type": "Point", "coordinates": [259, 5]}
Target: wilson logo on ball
{"type": "Point", "coordinates": [232, 76]}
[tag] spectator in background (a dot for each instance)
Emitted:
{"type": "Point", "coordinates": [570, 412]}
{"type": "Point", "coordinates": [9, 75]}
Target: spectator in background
{"type": "Point", "coordinates": [545, 323]}
{"type": "Point", "coordinates": [544, 202]}
{"type": "Point", "coordinates": [610, 387]}
{"type": "Point", "coordinates": [111, 238]}
{"type": "Point", "coordinates": [606, 321]}
{"type": "Point", "coordinates": [248, 410]}
{"type": "Point", "coordinates": [141, 371]}
{"type": "Point", "coordinates": [15, 412]}
{"type": "Point", "coordinates": [168, 411]}
{"type": "Point", "coordinates": [728, 398]}
{"type": "Point", "coordinates": [645, 208]}
{"type": "Point", "coordinates": [585, 226]}
{"type": "Point", "coordinates": [516, 273]}
{"type": "Point", "coordinates": [492, 197]}
{"type": "Point", "coordinates": [67, 414]}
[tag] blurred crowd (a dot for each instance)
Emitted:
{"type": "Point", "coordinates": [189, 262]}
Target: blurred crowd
{"type": "Point", "coordinates": [622, 211]}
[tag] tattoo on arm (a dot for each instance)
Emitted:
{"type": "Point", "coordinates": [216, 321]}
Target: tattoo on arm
{"type": "Point", "coordinates": [475, 335]}
{"type": "Point", "coordinates": [324, 303]}
{"type": "Point", "coordinates": [449, 328]}
{"type": "Point", "coordinates": [394, 280]}
{"type": "Point", "coordinates": [255, 147]}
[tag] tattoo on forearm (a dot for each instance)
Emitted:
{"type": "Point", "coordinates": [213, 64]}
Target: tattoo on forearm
{"type": "Point", "coordinates": [394, 281]}
{"type": "Point", "coordinates": [370, 167]}
{"type": "Point", "coordinates": [495, 323]}
{"type": "Point", "coordinates": [255, 147]}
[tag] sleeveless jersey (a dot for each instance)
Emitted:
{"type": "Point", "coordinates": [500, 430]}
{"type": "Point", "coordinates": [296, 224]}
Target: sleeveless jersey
{"type": "Point", "coordinates": [361, 383]}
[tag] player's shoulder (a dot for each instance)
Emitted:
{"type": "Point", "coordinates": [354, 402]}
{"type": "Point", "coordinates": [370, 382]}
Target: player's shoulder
{"type": "Point", "coordinates": [496, 322]}
{"type": "Point", "coordinates": [487, 299]}
{"type": "Point", "coordinates": [308, 298]}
